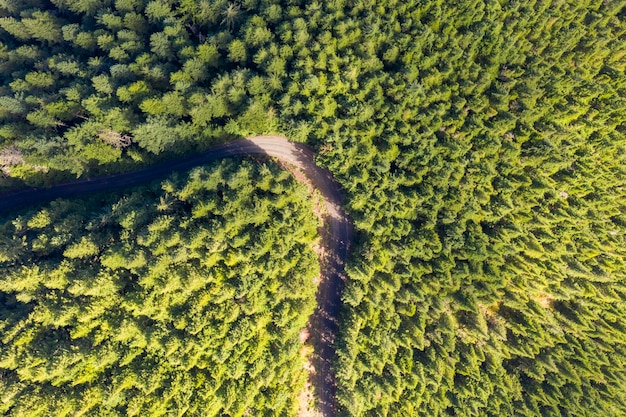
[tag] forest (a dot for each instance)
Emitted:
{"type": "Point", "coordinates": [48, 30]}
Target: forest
{"type": "Point", "coordinates": [481, 145]}
{"type": "Point", "coordinates": [143, 303]}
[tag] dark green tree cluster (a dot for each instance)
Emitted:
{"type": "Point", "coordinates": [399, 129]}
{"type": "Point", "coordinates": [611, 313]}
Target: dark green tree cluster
{"type": "Point", "coordinates": [486, 166]}
{"type": "Point", "coordinates": [94, 85]}
{"type": "Point", "coordinates": [481, 144]}
{"type": "Point", "coordinates": [183, 298]}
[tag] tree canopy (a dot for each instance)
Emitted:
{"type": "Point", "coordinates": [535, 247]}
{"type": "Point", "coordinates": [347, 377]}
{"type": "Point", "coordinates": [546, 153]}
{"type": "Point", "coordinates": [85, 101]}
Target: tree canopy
{"type": "Point", "coordinates": [480, 143]}
{"type": "Point", "coordinates": [184, 297]}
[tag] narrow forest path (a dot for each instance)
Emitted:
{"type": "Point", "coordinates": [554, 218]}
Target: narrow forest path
{"type": "Point", "coordinates": [323, 325]}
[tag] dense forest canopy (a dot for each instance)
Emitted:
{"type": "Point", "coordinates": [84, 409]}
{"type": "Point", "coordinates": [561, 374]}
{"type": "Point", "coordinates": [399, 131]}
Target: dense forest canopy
{"type": "Point", "coordinates": [147, 304]}
{"type": "Point", "coordinates": [481, 145]}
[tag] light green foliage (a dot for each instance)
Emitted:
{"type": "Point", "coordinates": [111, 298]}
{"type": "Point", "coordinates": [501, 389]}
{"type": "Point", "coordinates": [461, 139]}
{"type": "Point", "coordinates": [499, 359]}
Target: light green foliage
{"type": "Point", "coordinates": [237, 51]}
{"type": "Point", "coordinates": [157, 134]}
{"type": "Point", "coordinates": [188, 300]}
{"type": "Point", "coordinates": [81, 249]}
{"type": "Point", "coordinates": [102, 84]}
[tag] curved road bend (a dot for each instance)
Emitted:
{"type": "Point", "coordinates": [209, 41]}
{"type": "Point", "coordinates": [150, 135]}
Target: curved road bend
{"type": "Point", "coordinates": [323, 325]}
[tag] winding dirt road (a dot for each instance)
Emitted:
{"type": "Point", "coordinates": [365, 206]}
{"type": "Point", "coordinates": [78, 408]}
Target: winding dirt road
{"type": "Point", "coordinates": [323, 325]}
